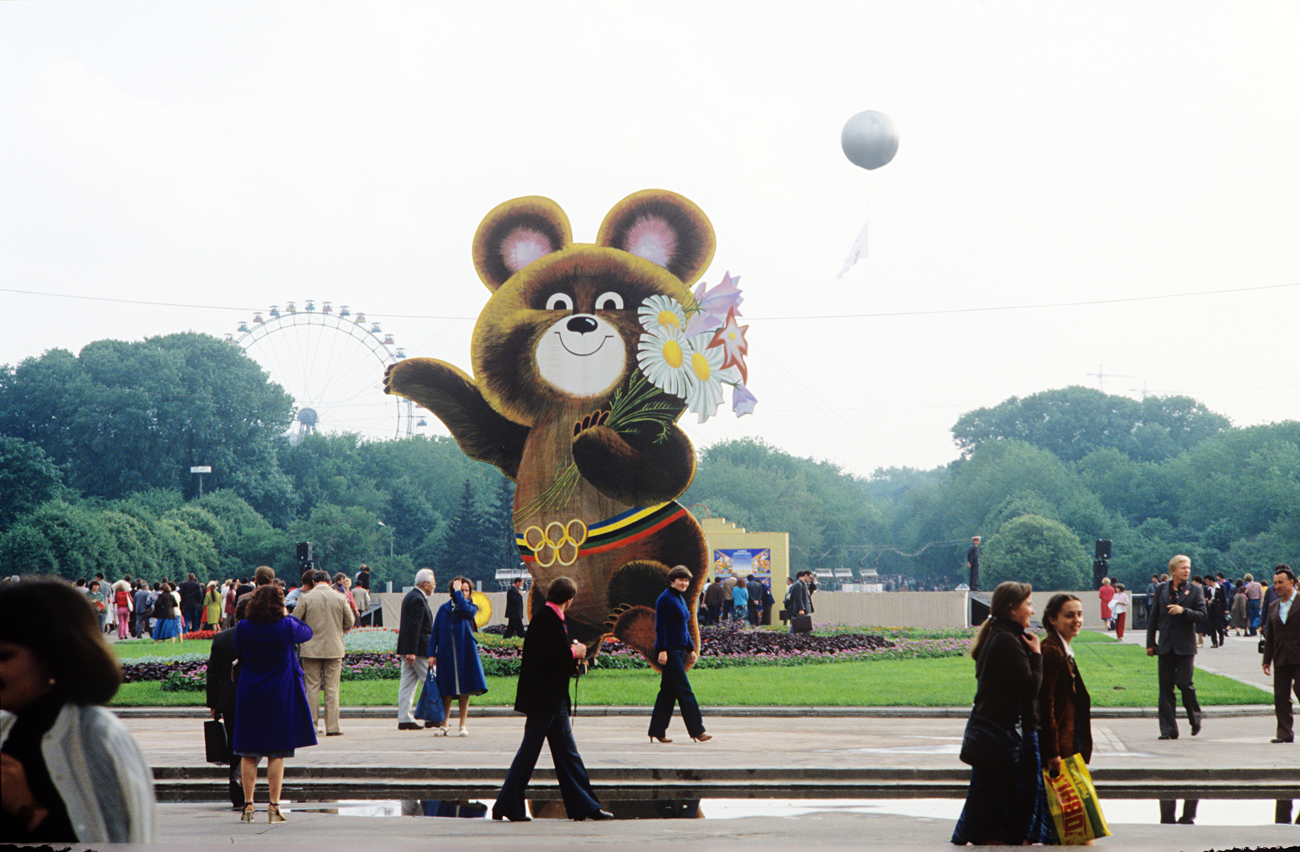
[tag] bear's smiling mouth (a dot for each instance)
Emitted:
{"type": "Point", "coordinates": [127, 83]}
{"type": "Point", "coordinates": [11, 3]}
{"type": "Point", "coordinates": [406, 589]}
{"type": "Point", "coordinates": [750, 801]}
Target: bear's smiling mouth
{"type": "Point", "coordinates": [560, 335]}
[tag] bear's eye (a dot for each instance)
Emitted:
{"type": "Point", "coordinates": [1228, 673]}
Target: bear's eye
{"type": "Point", "coordinates": [610, 301]}
{"type": "Point", "coordinates": [559, 302]}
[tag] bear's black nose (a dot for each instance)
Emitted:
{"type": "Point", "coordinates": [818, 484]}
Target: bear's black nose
{"type": "Point", "coordinates": [582, 325]}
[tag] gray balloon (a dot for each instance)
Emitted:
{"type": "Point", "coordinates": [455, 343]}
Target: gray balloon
{"type": "Point", "coordinates": [869, 139]}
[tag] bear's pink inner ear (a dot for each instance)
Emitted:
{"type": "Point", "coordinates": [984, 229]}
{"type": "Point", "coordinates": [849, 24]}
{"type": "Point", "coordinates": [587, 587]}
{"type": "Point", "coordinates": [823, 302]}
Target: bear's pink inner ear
{"type": "Point", "coordinates": [522, 246]}
{"type": "Point", "coordinates": [652, 238]}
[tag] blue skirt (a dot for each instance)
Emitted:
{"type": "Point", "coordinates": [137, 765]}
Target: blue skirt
{"type": "Point", "coordinates": [165, 628]}
{"type": "Point", "coordinates": [991, 814]}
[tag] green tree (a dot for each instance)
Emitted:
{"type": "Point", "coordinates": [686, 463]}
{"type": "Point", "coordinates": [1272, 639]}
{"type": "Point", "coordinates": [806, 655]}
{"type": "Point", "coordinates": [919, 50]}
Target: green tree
{"type": "Point", "coordinates": [121, 416]}
{"type": "Point", "coordinates": [463, 548]}
{"type": "Point", "coordinates": [342, 537]}
{"type": "Point", "coordinates": [27, 479]}
{"type": "Point", "coordinates": [1035, 550]}
{"type": "Point", "coordinates": [1072, 422]}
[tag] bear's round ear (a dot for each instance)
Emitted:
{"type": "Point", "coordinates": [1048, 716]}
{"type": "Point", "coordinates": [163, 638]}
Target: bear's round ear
{"type": "Point", "coordinates": [515, 234]}
{"type": "Point", "coordinates": [663, 228]}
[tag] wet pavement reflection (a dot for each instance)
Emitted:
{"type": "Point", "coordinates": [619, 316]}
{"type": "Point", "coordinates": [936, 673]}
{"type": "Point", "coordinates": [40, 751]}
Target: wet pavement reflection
{"type": "Point", "coordinates": [1222, 812]}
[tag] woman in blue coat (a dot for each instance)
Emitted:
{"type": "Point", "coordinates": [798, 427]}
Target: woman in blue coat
{"type": "Point", "coordinates": [272, 717]}
{"type": "Point", "coordinates": [453, 652]}
{"type": "Point", "coordinates": [675, 651]}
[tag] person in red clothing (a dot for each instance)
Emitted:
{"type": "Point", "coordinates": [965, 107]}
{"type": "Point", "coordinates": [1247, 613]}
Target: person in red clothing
{"type": "Point", "coordinates": [1106, 592]}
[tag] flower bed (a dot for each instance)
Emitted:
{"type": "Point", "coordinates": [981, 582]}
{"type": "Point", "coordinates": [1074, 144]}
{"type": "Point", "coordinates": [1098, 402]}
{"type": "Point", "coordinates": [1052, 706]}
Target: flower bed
{"type": "Point", "coordinates": [723, 647]}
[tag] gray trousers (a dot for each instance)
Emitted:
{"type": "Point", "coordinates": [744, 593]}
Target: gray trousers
{"type": "Point", "coordinates": [408, 689]}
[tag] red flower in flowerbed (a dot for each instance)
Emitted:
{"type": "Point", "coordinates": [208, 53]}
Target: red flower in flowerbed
{"type": "Point", "coordinates": [200, 634]}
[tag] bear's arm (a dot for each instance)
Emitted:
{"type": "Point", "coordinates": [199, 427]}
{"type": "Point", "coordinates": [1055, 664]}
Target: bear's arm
{"type": "Point", "coordinates": [454, 399]}
{"type": "Point", "coordinates": [636, 471]}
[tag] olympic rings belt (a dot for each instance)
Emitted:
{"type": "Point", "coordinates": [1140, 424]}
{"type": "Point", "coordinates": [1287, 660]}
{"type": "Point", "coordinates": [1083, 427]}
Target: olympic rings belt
{"type": "Point", "coordinates": [563, 543]}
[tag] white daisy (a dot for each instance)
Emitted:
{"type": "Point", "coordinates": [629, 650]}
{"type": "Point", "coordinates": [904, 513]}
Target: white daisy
{"type": "Point", "coordinates": [664, 356]}
{"type": "Point", "coordinates": [661, 312]}
{"type": "Point", "coordinates": [707, 375]}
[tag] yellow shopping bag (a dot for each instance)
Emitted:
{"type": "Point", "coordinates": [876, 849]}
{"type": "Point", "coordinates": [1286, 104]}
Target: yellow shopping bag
{"type": "Point", "coordinates": [1073, 801]}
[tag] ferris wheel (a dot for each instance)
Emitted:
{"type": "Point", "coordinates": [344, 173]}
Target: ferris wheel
{"type": "Point", "coordinates": [332, 362]}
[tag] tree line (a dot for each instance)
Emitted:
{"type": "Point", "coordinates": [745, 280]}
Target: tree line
{"type": "Point", "coordinates": [95, 452]}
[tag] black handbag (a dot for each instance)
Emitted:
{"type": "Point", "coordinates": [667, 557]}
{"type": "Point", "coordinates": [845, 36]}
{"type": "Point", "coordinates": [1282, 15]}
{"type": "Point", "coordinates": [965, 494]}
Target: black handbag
{"type": "Point", "coordinates": [801, 624]}
{"type": "Point", "coordinates": [986, 743]}
{"type": "Point", "coordinates": [214, 742]}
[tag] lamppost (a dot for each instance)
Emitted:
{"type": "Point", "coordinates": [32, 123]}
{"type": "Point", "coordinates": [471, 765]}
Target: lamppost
{"type": "Point", "coordinates": [391, 535]}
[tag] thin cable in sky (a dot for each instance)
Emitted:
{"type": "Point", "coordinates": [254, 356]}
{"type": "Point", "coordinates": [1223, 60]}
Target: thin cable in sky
{"type": "Point", "coordinates": [985, 309]}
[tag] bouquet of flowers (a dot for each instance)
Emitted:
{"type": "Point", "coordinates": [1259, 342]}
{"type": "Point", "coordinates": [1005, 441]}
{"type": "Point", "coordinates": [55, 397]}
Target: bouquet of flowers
{"type": "Point", "coordinates": [686, 355]}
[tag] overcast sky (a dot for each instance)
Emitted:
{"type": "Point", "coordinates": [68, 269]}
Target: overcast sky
{"type": "Point", "coordinates": [1080, 188]}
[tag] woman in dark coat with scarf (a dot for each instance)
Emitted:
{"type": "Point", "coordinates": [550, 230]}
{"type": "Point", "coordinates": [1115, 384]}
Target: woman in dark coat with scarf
{"type": "Point", "coordinates": [1006, 802]}
{"type": "Point", "coordinates": [272, 717]}
{"type": "Point", "coordinates": [674, 651]}
{"type": "Point", "coordinates": [453, 652]}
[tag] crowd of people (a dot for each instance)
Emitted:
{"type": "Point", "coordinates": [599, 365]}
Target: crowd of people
{"type": "Point", "coordinates": [70, 770]}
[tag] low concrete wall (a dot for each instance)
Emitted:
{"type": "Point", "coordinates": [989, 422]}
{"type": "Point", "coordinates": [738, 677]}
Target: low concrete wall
{"type": "Point", "coordinates": [854, 609]}
{"type": "Point", "coordinates": [920, 609]}
{"type": "Point", "coordinates": [392, 604]}
{"type": "Point", "coordinates": [891, 609]}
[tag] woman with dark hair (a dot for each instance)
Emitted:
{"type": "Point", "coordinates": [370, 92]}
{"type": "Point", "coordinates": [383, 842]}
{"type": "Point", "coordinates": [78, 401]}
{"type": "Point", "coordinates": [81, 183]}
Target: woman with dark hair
{"type": "Point", "coordinates": [1064, 707]}
{"type": "Point", "coordinates": [343, 585]}
{"type": "Point", "coordinates": [453, 652]}
{"type": "Point", "coordinates": [69, 770]}
{"type": "Point", "coordinates": [272, 717]}
{"type": "Point", "coordinates": [1006, 802]}
{"type": "Point", "coordinates": [675, 651]}
{"type": "Point", "coordinates": [165, 611]}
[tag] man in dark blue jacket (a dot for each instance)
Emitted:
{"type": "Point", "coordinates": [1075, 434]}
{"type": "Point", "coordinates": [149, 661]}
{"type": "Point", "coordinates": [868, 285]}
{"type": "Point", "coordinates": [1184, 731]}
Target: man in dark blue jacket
{"type": "Point", "coordinates": [1177, 608]}
{"type": "Point", "coordinates": [549, 660]}
{"type": "Point", "coordinates": [515, 609]}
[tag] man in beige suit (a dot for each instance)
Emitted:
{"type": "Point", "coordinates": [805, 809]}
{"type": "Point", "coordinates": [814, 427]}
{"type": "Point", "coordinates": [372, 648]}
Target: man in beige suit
{"type": "Point", "coordinates": [328, 615]}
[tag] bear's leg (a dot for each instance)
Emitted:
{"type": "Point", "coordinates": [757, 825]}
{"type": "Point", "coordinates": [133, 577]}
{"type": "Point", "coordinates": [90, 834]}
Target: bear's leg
{"type": "Point", "coordinates": [636, 586]}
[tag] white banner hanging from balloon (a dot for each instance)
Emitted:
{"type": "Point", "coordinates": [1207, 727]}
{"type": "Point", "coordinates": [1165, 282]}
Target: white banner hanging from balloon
{"type": "Point", "coordinates": [858, 252]}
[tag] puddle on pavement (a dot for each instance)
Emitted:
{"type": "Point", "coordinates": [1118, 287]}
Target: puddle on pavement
{"type": "Point", "coordinates": [1220, 812]}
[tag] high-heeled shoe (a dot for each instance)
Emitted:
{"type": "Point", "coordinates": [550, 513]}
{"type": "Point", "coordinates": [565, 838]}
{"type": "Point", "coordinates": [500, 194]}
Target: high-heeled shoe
{"type": "Point", "coordinates": [249, 812]}
{"type": "Point", "coordinates": [273, 813]}
{"type": "Point", "coordinates": [702, 738]}
{"type": "Point", "coordinates": [655, 739]}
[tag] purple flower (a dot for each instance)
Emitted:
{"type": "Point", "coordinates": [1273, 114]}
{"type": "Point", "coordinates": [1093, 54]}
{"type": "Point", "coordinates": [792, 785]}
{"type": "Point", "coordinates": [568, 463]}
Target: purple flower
{"type": "Point", "coordinates": [742, 401]}
{"type": "Point", "coordinates": [714, 305]}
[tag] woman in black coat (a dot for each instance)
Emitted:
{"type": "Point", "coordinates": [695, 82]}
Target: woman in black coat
{"type": "Point", "coordinates": [1006, 802]}
{"type": "Point", "coordinates": [675, 651]}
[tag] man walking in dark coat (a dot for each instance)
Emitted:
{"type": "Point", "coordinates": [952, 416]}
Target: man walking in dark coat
{"type": "Point", "coordinates": [412, 646]}
{"type": "Point", "coordinates": [713, 602]}
{"type": "Point", "coordinates": [543, 696]}
{"type": "Point", "coordinates": [191, 602]}
{"type": "Point", "coordinates": [1177, 608]}
{"type": "Point", "coordinates": [222, 686]}
{"type": "Point", "coordinates": [515, 609]}
{"type": "Point", "coordinates": [1282, 651]}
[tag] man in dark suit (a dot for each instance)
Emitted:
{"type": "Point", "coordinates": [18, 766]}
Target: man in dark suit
{"type": "Point", "coordinates": [1177, 608]}
{"type": "Point", "coordinates": [223, 678]}
{"type": "Point", "coordinates": [515, 608]}
{"type": "Point", "coordinates": [1282, 651]}
{"type": "Point", "coordinates": [191, 601]}
{"type": "Point", "coordinates": [548, 662]}
{"type": "Point", "coordinates": [413, 633]}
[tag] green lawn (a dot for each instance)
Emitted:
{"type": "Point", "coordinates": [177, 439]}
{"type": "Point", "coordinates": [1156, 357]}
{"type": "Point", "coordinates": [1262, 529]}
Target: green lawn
{"type": "Point", "coordinates": [134, 649]}
{"type": "Point", "coordinates": [1117, 676]}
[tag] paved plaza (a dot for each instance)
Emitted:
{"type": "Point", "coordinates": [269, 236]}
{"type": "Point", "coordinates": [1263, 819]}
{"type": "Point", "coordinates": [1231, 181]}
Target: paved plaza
{"type": "Point", "coordinates": [860, 778]}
